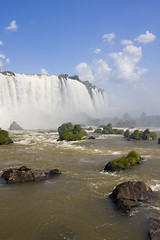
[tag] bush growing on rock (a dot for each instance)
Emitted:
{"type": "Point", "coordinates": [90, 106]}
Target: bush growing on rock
{"type": "Point", "coordinates": [70, 132]}
{"type": "Point", "coordinates": [136, 135]}
{"type": "Point", "coordinates": [139, 135]}
{"type": "Point", "coordinates": [4, 137]}
{"type": "Point", "coordinates": [107, 129]}
{"type": "Point", "coordinates": [65, 126]}
{"type": "Point", "coordinates": [123, 162]}
{"type": "Point", "coordinates": [127, 133]}
{"type": "Point", "coordinates": [118, 131]}
{"type": "Point", "coordinates": [98, 130]}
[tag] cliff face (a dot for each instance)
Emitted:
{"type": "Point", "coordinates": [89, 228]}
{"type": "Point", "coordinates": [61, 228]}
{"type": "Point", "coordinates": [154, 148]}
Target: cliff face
{"type": "Point", "coordinates": [46, 101]}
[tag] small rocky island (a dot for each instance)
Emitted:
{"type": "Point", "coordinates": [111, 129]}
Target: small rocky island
{"type": "Point", "coordinates": [123, 162]}
{"type": "Point", "coordinates": [70, 132]}
{"type": "Point", "coordinates": [130, 194]}
{"type": "Point", "coordinates": [26, 174]}
{"type": "Point", "coordinates": [108, 129]}
{"type": "Point", "coordinates": [140, 135]}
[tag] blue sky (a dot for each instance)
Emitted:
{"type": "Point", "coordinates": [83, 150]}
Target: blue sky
{"type": "Point", "coordinates": [112, 43]}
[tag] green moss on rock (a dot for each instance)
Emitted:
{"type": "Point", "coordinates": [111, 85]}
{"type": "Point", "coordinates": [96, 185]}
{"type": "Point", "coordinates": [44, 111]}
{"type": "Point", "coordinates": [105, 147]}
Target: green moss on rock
{"type": "Point", "coordinates": [4, 137]}
{"type": "Point", "coordinates": [141, 135]}
{"type": "Point", "coordinates": [107, 129]}
{"type": "Point", "coordinates": [123, 162]}
{"type": "Point", "coordinates": [70, 132]}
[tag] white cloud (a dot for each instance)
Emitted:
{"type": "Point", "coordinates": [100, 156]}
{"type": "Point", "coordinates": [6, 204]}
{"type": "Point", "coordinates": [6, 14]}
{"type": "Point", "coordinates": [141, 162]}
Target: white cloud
{"type": "Point", "coordinates": [146, 38]}
{"type": "Point", "coordinates": [109, 37]}
{"type": "Point", "coordinates": [126, 64]}
{"type": "Point", "coordinates": [126, 42]}
{"type": "Point", "coordinates": [85, 72]}
{"type": "Point", "coordinates": [2, 56]}
{"type": "Point", "coordinates": [97, 72]}
{"type": "Point", "coordinates": [12, 26]}
{"type": "Point", "coordinates": [44, 71]}
{"type": "Point", "coordinates": [97, 50]}
{"type": "Point", "coordinates": [7, 60]}
{"type": "Point", "coordinates": [1, 43]}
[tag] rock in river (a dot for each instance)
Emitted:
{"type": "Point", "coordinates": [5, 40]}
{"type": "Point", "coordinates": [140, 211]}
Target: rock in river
{"type": "Point", "coordinates": [130, 194]}
{"type": "Point", "coordinates": [25, 174]}
{"type": "Point", "coordinates": [154, 228]}
{"type": "Point", "coordinates": [15, 126]}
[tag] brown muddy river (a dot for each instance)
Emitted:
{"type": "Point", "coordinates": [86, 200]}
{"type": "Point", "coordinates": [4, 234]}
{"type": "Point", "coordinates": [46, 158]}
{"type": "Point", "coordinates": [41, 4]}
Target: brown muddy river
{"type": "Point", "coordinates": [75, 205]}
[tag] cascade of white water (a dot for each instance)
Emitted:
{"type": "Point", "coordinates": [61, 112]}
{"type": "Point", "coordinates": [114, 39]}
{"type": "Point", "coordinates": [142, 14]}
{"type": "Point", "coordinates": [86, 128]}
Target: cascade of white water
{"type": "Point", "coordinates": [36, 101]}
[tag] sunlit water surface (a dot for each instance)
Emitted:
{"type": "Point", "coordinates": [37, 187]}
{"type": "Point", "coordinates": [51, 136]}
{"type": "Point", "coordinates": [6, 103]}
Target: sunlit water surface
{"type": "Point", "coordinates": [74, 205]}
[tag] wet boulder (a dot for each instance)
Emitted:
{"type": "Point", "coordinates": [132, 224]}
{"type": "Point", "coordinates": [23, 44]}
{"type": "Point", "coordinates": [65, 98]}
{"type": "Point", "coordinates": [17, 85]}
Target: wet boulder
{"type": "Point", "coordinates": [112, 167]}
{"type": "Point", "coordinates": [154, 228]}
{"type": "Point", "coordinates": [53, 172]}
{"type": "Point", "coordinates": [130, 194]}
{"type": "Point", "coordinates": [26, 174]}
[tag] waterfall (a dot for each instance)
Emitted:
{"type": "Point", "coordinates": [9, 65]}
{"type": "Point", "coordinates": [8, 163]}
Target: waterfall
{"type": "Point", "coordinates": [40, 101]}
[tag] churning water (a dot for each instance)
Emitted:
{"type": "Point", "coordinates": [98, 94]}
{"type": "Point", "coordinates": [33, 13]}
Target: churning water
{"type": "Point", "coordinates": [74, 205]}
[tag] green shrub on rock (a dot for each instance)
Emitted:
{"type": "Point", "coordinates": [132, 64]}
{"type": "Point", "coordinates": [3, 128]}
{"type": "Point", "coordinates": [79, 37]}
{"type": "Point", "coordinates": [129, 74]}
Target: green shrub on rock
{"type": "Point", "coordinates": [139, 135]}
{"type": "Point", "coordinates": [107, 129]}
{"type": "Point", "coordinates": [4, 137]}
{"type": "Point", "coordinates": [123, 162]}
{"type": "Point", "coordinates": [98, 130]}
{"type": "Point", "coordinates": [153, 135]}
{"type": "Point", "coordinates": [70, 132]}
{"type": "Point", "coordinates": [136, 135]}
{"type": "Point", "coordinates": [131, 159]}
{"type": "Point", "coordinates": [117, 131]}
{"type": "Point", "coordinates": [65, 126]}
{"type": "Point", "coordinates": [127, 133]}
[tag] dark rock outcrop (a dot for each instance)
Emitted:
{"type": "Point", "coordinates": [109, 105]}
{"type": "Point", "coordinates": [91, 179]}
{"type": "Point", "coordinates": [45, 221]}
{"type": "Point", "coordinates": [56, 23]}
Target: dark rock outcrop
{"type": "Point", "coordinates": [130, 194]}
{"type": "Point", "coordinates": [15, 126]}
{"type": "Point", "coordinates": [154, 228]}
{"type": "Point", "coordinates": [91, 137]}
{"type": "Point", "coordinates": [25, 174]}
{"type": "Point", "coordinates": [111, 167]}
{"type": "Point", "coordinates": [53, 172]}
{"type": "Point", "coordinates": [6, 143]}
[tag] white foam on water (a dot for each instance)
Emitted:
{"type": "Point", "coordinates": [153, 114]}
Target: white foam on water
{"type": "Point", "coordinates": [155, 187]}
{"type": "Point", "coordinates": [155, 208]}
{"type": "Point", "coordinates": [116, 153]}
{"type": "Point", "coordinates": [114, 174]}
{"type": "Point", "coordinates": [24, 142]}
{"type": "Point", "coordinates": [110, 152]}
{"type": "Point", "coordinates": [98, 151]}
{"type": "Point", "coordinates": [69, 145]}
